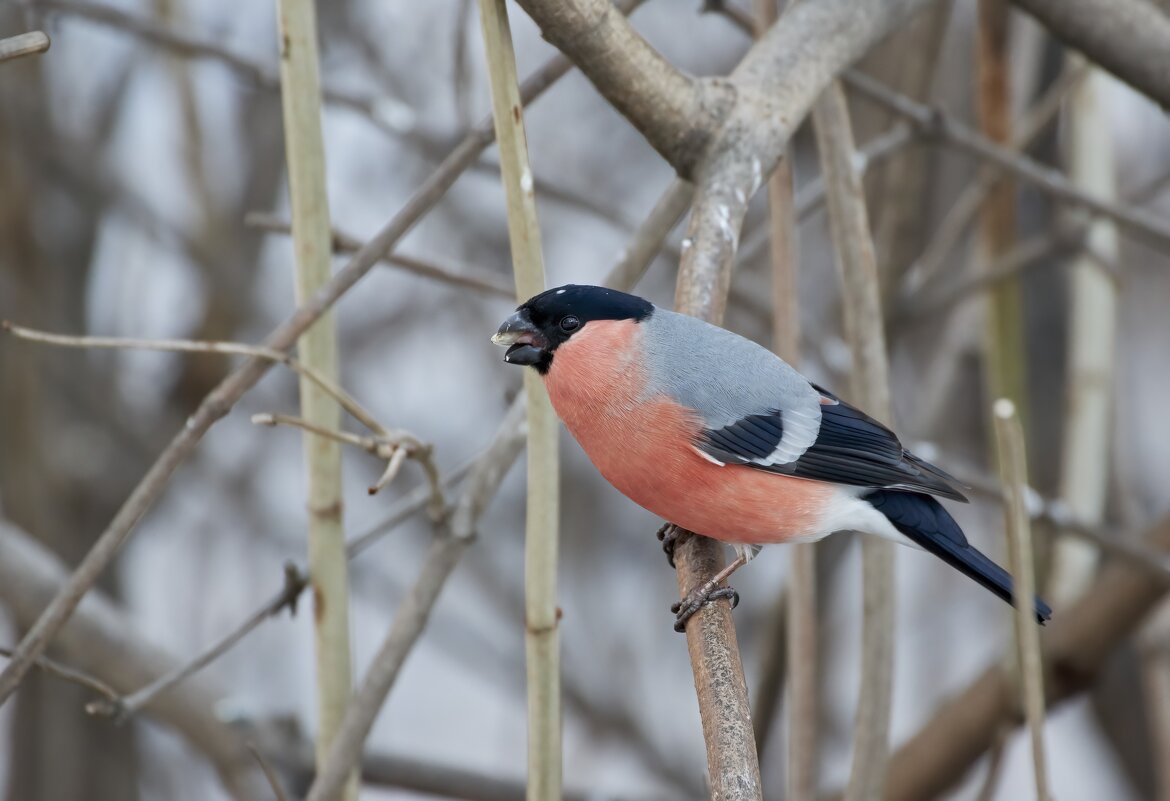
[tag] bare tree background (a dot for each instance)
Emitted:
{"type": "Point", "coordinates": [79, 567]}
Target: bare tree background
{"type": "Point", "coordinates": [986, 176]}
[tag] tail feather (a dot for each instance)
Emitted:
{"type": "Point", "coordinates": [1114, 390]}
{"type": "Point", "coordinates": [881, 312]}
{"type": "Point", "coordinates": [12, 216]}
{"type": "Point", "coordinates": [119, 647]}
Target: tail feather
{"type": "Point", "coordinates": [927, 524]}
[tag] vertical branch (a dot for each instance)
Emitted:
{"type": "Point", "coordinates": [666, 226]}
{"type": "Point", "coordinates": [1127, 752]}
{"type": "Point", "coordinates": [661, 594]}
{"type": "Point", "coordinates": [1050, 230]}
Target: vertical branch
{"type": "Point", "coordinates": [317, 347]}
{"type": "Point", "coordinates": [733, 767]}
{"type": "Point", "coordinates": [1014, 474]}
{"type": "Point", "coordinates": [1005, 321]}
{"type": "Point", "coordinates": [849, 226]}
{"type": "Point", "coordinates": [1092, 333]}
{"type": "Point", "coordinates": [797, 638]}
{"type": "Point", "coordinates": [540, 544]}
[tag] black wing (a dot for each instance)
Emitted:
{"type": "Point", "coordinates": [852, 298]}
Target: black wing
{"type": "Point", "coordinates": [851, 448]}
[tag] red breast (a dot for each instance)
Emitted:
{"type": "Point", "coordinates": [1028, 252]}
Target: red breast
{"type": "Point", "coordinates": [642, 442]}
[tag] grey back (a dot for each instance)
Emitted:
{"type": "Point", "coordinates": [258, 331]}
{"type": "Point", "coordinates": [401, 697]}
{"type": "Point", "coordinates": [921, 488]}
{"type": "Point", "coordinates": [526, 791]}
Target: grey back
{"type": "Point", "coordinates": [726, 377]}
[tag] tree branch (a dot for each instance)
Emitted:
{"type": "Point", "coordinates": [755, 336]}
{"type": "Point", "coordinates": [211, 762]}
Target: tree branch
{"type": "Point", "coordinates": [870, 387]}
{"type": "Point", "coordinates": [1141, 223]}
{"type": "Point", "coordinates": [675, 112]}
{"type": "Point", "coordinates": [1077, 644]}
{"type": "Point", "coordinates": [100, 641]}
{"type": "Point", "coordinates": [542, 515]}
{"type": "Point", "coordinates": [1129, 38]}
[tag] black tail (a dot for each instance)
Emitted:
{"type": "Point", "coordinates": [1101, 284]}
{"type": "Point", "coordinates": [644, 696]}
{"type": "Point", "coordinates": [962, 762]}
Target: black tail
{"type": "Point", "coordinates": [924, 521]}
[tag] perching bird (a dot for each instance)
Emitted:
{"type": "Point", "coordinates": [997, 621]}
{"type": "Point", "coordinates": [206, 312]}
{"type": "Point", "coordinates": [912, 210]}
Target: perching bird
{"type": "Point", "coordinates": [718, 435]}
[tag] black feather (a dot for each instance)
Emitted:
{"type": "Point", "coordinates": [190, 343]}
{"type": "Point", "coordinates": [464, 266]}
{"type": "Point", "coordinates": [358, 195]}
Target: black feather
{"type": "Point", "coordinates": [851, 448]}
{"type": "Point", "coordinates": [923, 520]}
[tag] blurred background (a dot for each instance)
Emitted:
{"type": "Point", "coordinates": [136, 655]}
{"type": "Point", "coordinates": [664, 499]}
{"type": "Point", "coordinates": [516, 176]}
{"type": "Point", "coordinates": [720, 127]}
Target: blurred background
{"type": "Point", "coordinates": [131, 156]}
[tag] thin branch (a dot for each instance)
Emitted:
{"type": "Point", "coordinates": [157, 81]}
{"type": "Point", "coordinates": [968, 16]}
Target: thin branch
{"type": "Point", "coordinates": [1093, 301]}
{"type": "Point", "coordinates": [225, 395]}
{"type": "Point", "coordinates": [24, 44]}
{"type": "Point", "coordinates": [480, 280]}
{"type": "Point", "coordinates": [296, 581]}
{"type": "Point", "coordinates": [195, 346]}
{"type": "Point", "coordinates": [1077, 644]}
{"type": "Point", "coordinates": [447, 547]}
{"type": "Point", "coordinates": [388, 115]}
{"type": "Point", "coordinates": [1005, 361]}
{"type": "Point", "coordinates": [542, 517]}
{"type": "Point", "coordinates": [1014, 471]}
{"type": "Point", "coordinates": [393, 447]}
{"type": "Point", "coordinates": [861, 299]}
{"type": "Point", "coordinates": [269, 773]}
{"type": "Point", "coordinates": [964, 210]}
{"type": "Point", "coordinates": [122, 708]}
{"type": "Point", "coordinates": [1129, 38]}
{"type": "Point", "coordinates": [100, 641]}
{"type": "Point", "coordinates": [54, 668]}
{"type": "Point", "coordinates": [931, 122]}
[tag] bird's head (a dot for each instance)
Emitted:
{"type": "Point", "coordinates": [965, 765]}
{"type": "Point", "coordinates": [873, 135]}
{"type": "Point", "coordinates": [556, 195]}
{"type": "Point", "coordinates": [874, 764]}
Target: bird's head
{"type": "Point", "coordinates": [545, 322]}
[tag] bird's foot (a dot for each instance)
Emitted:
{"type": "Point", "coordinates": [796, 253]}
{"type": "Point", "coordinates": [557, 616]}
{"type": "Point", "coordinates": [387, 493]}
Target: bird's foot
{"type": "Point", "coordinates": [707, 593]}
{"type": "Point", "coordinates": [668, 535]}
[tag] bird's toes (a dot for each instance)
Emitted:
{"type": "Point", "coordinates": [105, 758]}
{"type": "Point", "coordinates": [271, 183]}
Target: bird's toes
{"type": "Point", "coordinates": [668, 536]}
{"type": "Point", "coordinates": [686, 608]}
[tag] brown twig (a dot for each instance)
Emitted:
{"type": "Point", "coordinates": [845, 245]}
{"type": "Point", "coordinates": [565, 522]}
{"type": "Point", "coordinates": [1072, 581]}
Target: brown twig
{"type": "Point", "coordinates": [269, 773]}
{"type": "Point", "coordinates": [861, 299]}
{"type": "Point", "coordinates": [931, 122]}
{"type": "Point", "coordinates": [54, 668]}
{"type": "Point", "coordinates": [387, 114]}
{"type": "Point", "coordinates": [1078, 642]}
{"type": "Point", "coordinates": [480, 280]}
{"type": "Point", "coordinates": [123, 707]}
{"type": "Point", "coordinates": [1014, 472]}
{"type": "Point", "coordinates": [24, 44]}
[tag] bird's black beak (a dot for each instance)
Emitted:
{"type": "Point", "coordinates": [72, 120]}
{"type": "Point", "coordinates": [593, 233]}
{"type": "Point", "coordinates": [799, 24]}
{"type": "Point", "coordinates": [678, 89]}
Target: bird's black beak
{"type": "Point", "coordinates": [525, 344]}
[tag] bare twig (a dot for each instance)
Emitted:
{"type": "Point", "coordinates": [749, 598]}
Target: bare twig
{"type": "Point", "coordinates": [24, 44]}
{"type": "Point", "coordinates": [994, 769]}
{"type": "Point", "coordinates": [963, 211]}
{"type": "Point", "coordinates": [861, 298]}
{"type": "Point", "coordinates": [389, 115]}
{"type": "Point", "coordinates": [122, 708]}
{"type": "Point", "coordinates": [1014, 471]}
{"type": "Point", "coordinates": [481, 280]}
{"type": "Point", "coordinates": [792, 636]}
{"type": "Point", "coordinates": [100, 641]}
{"type": "Point", "coordinates": [269, 773]}
{"type": "Point", "coordinates": [220, 401]}
{"type": "Point", "coordinates": [326, 385]}
{"type": "Point", "coordinates": [1005, 361]}
{"type": "Point", "coordinates": [931, 122]}
{"type": "Point", "coordinates": [1077, 643]}
{"type": "Point", "coordinates": [54, 668]}
{"type": "Point", "coordinates": [449, 543]}
{"type": "Point", "coordinates": [541, 637]}
{"type": "Point", "coordinates": [300, 94]}
{"type": "Point", "coordinates": [1092, 334]}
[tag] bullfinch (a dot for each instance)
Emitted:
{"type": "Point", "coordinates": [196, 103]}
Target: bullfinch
{"type": "Point", "coordinates": [720, 436]}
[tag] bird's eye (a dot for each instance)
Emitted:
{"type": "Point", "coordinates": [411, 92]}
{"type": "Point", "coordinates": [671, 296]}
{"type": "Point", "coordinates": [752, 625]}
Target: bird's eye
{"type": "Point", "coordinates": [570, 323]}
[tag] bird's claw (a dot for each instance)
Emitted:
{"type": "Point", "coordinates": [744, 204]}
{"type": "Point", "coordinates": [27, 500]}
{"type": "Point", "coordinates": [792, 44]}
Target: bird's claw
{"type": "Point", "coordinates": [684, 609]}
{"type": "Point", "coordinates": [668, 536]}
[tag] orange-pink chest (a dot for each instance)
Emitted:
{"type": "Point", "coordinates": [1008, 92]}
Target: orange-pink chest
{"type": "Point", "coordinates": [642, 442]}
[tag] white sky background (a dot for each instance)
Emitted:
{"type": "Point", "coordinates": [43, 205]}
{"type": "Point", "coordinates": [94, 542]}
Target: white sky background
{"type": "Point", "coordinates": [417, 354]}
